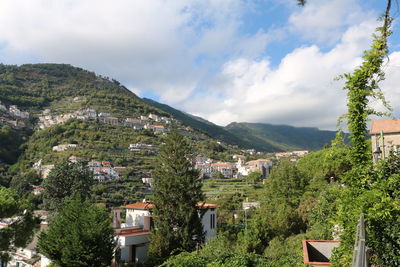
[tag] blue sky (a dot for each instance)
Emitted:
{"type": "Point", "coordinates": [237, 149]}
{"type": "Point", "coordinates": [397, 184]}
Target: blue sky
{"type": "Point", "coordinates": [224, 60]}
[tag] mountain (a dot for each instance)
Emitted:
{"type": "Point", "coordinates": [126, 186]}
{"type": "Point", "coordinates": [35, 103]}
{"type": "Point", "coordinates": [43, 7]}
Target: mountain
{"type": "Point", "coordinates": [274, 138]}
{"type": "Point", "coordinates": [262, 137]}
{"type": "Point", "coordinates": [207, 127]}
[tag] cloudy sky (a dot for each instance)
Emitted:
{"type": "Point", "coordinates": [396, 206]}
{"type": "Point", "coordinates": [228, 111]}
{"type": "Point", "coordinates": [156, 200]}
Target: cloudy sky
{"type": "Point", "coordinates": [225, 60]}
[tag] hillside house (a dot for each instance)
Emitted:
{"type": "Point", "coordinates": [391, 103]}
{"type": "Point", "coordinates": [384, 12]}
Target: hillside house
{"type": "Point", "coordinates": [104, 114]}
{"type": "Point", "coordinates": [64, 147]}
{"type": "Point", "coordinates": [103, 170]}
{"type": "Point", "coordinates": [133, 236]}
{"type": "Point", "coordinates": [166, 120]}
{"type": "Point", "coordinates": [27, 256]}
{"type": "Point", "coordinates": [148, 181]}
{"type": "Point", "coordinates": [136, 124]}
{"type": "Point", "coordinates": [154, 117]}
{"type": "Point", "coordinates": [14, 111]}
{"type": "Point", "coordinates": [138, 147]}
{"type": "Point", "coordinates": [109, 120]}
{"type": "Point", "coordinates": [42, 170]}
{"type": "Point", "coordinates": [38, 190]}
{"type": "Point", "coordinates": [263, 166]}
{"type": "Point", "coordinates": [74, 159]}
{"type": "Point", "coordinates": [385, 138]}
{"type": "Point", "coordinates": [144, 118]}
{"type": "Point", "coordinates": [225, 168]}
{"type": "Point", "coordinates": [157, 129]}
{"type": "Point", "coordinates": [249, 151]}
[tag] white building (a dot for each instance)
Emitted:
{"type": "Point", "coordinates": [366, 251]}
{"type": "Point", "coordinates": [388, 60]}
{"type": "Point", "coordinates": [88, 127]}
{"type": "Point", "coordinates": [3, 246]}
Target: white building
{"type": "Point", "coordinates": [14, 111]}
{"type": "Point", "coordinates": [27, 256]}
{"type": "Point", "coordinates": [154, 117]}
{"type": "Point", "coordinates": [134, 235]}
{"type": "Point", "coordinates": [64, 147]}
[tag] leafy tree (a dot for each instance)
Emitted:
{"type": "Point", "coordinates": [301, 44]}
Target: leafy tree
{"type": "Point", "coordinates": [79, 235]}
{"type": "Point", "coordinates": [253, 177]}
{"type": "Point", "coordinates": [23, 184]}
{"type": "Point", "coordinates": [20, 230]}
{"type": "Point", "coordinates": [72, 180]}
{"type": "Point", "coordinates": [177, 190]}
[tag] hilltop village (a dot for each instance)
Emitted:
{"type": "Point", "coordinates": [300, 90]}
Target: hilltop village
{"type": "Point", "coordinates": [136, 228]}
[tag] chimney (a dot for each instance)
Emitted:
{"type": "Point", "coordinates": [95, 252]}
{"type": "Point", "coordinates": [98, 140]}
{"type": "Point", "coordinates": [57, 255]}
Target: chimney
{"type": "Point", "coordinates": [147, 223]}
{"type": "Point", "coordinates": [117, 219]}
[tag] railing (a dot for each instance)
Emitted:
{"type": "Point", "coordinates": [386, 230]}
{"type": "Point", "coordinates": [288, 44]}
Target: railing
{"type": "Point", "coordinates": [360, 254]}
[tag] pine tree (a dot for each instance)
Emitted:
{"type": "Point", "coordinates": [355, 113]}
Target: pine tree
{"type": "Point", "coordinates": [66, 180]}
{"type": "Point", "coordinates": [177, 191]}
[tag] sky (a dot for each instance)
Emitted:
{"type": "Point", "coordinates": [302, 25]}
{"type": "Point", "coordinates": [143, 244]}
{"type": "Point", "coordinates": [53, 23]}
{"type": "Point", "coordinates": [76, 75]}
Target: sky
{"type": "Point", "coordinates": [268, 61]}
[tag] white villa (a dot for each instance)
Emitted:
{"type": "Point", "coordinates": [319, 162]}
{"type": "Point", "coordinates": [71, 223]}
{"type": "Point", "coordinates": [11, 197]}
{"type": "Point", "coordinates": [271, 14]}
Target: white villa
{"type": "Point", "coordinates": [133, 236]}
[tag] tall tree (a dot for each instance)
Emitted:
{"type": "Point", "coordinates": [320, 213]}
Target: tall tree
{"type": "Point", "coordinates": [177, 190]}
{"type": "Point", "coordinates": [79, 235]}
{"type": "Point", "coordinates": [72, 180]}
{"type": "Point", "coordinates": [21, 222]}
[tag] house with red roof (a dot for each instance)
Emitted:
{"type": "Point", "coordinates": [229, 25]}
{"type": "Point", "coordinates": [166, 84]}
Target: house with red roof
{"type": "Point", "coordinates": [133, 236]}
{"type": "Point", "coordinates": [385, 137]}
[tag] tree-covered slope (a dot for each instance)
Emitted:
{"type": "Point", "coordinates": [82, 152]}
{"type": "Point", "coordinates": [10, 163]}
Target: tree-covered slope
{"type": "Point", "coordinates": [34, 87]}
{"type": "Point", "coordinates": [267, 137]}
{"type": "Point", "coordinates": [205, 126]}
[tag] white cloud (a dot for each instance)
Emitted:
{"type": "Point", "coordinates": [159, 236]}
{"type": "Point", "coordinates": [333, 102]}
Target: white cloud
{"type": "Point", "coordinates": [197, 55]}
{"type": "Point", "coordinates": [300, 91]}
{"type": "Point", "coordinates": [148, 45]}
{"type": "Point", "coordinates": [326, 20]}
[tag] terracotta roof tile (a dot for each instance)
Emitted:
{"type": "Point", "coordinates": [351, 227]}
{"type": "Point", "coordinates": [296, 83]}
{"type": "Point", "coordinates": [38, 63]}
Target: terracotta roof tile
{"type": "Point", "coordinates": [140, 206]}
{"type": "Point", "coordinates": [386, 126]}
{"type": "Point", "coordinates": [148, 205]}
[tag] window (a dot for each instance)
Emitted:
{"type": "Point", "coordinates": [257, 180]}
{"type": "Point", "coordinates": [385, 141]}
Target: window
{"type": "Point", "coordinates": [212, 220]}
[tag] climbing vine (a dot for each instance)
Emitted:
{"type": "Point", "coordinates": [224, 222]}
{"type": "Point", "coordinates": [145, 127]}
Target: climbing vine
{"type": "Point", "coordinates": [362, 86]}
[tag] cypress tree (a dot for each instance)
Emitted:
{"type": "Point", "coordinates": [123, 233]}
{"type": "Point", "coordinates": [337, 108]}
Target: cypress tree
{"type": "Point", "coordinates": [177, 190]}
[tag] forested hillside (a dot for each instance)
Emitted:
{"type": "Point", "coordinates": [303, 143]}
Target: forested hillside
{"type": "Point", "coordinates": [273, 138]}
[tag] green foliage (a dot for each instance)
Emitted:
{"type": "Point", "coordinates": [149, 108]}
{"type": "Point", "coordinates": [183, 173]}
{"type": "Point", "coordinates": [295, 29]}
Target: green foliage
{"type": "Point", "coordinates": [253, 177]}
{"type": "Point", "coordinates": [381, 206]}
{"type": "Point", "coordinates": [79, 235]}
{"type": "Point", "coordinates": [215, 253]}
{"type": "Point", "coordinates": [362, 86]}
{"type": "Point", "coordinates": [330, 163]}
{"type": "Point", "coordinates": [23, 184]}
{"type": "Point", "coordinates": [10, 144]}
{"type": "Point", "coordinates": [177, 190]}
{"type": "Point", "coordinates": [275, 138]}
{"type": "Point", "coordinates": [66, 180]}
{"type": "Point", "coordinates": [20, 231]}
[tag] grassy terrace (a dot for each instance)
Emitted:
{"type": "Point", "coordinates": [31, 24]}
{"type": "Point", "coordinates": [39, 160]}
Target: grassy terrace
{"type": "Point", "coordinates": [215, 189]}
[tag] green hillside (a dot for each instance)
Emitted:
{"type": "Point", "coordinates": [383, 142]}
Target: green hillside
{"type": "Point", "coordinates": [274, 138]}
{"type": "Point", "coordinates": [209, 128]}
{"type": "Point", "coordinates": [35, 87]}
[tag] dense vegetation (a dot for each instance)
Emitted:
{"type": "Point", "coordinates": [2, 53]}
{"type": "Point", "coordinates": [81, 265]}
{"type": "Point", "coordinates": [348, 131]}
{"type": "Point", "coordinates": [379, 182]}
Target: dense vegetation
{"type": "Point", "coordinates": [79, 235]}
{"type": "Point", "coordinates": [275, 138]}
{"type": "Point", "coordinates": [260, 136]}
{"type": "Point", "coordinates": [177, 191]}
{"type": "Point", "coordinates": [205, 126]}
